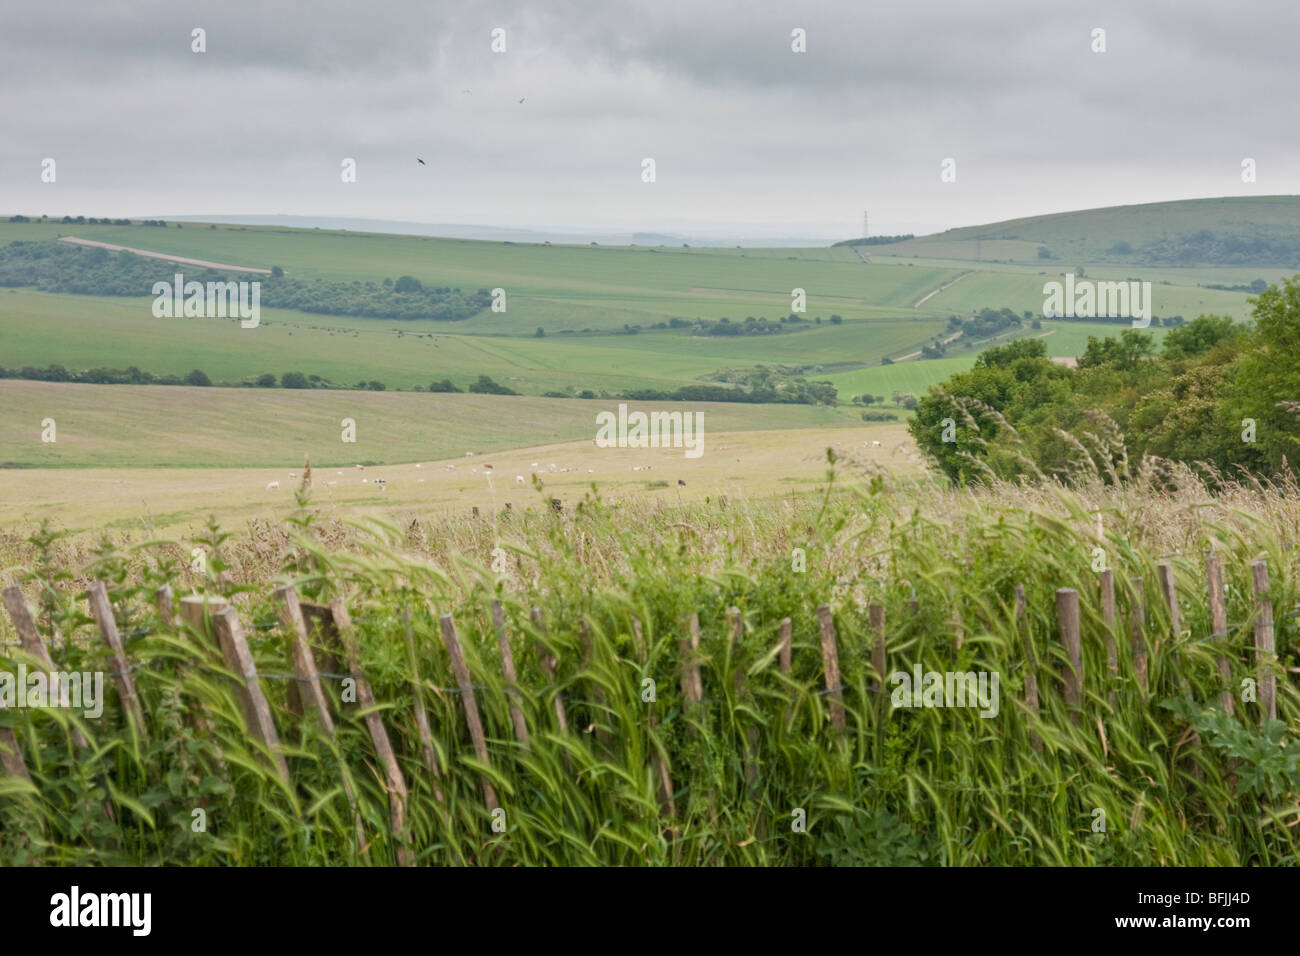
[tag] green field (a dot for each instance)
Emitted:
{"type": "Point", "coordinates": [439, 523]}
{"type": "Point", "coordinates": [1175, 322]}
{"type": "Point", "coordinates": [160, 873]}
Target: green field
{"type": "Point", "coordinates": [583, 297]}
{"type": "Point", "coordinates": [147, 426]}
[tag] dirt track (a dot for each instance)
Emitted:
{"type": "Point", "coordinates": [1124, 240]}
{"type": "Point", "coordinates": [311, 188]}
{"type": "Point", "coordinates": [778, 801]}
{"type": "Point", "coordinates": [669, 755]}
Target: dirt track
{"type": "Point", "coordinates": [159, 255]}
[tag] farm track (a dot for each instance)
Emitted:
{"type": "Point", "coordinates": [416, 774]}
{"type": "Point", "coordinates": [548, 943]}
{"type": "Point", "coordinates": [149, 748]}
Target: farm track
{"type": "Point", "coordinates": [925, 298]}
{"type": "Point", "coordinates": [160, 255]}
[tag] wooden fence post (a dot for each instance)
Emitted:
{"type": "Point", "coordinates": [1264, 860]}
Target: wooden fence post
{"type": "Point", "coordinates": [461, 670]}
{"type": "Point", "coordinates": [11, 758]}
{"type": "Point", "coordinates": [750, 736]}
{"type": "Point", "coordinates": [289, 612]}
{"type": "Point", "coordinates": [257, 712]}
{"type": "Point", "coordinates": [1264, 642]}
{"type": "Point", "coordinates": [421, 715]}
{"type": "Point", "coordinates": [31, 640]}
{"type": "Point", "coordinates": [1067, 615]}
{"type": "Point", "coordinates": [508, 669]}
{"type": "Point", "coordinates": [166, 606]}
{"type": "Point", "coordinates": [1137, 621]}
{"type": "Point", "coordinates": [1031, 665]}
{"type": "Point", "coordinates": [688, 647]}
{"type": "Point", "coordinates": [102, 610]}
{"type": "Point", "coordinates": [659, 762]}
{"type": "Point", "coordinates": [1219, 626]}
{"type": "Point", "coordinates": [831, 663]}
{"type": "Point", "coordinates": [192, 613]}
{"type": "Point", "coordinates": [336, 624]}
{"type": "Point", "coordinates": [1166, 573]}
{"type": "Point", "coordinates": [1108, 617]}
{"type": "Point", "coordinates": [548, 663]}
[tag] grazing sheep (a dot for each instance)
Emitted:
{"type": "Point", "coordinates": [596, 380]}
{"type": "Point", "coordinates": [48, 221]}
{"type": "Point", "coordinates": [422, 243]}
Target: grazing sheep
{"type": "Point", "coordinates": [487, 467]}
{"type": "Point", "coordinates": [292, 475]}
{"type": "Point", "coordinates": [417, 466]}
{"type": "Point", "coordinates": [361, 467]}
{"type": "Point", "coordinates": [519, 479]}
{"type": "Point", "coordinates": [365, 481]}
{"type": "Point", "coordinates": [533, 465]}
{"type": "Point", "coordinates": [681, 483]}
{"type": "Point", "coordinates": [469, 454]}
{"type": "Point", "coordinates": [272, 486]}
{"type": "Point", "coordinates": [875, 444]}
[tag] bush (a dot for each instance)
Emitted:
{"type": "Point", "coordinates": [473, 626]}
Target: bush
{"type": "Point", "coordinates": [444, 386]}
{"type": "Point", "coordinates": [266, 381]}
{"type": "Point", "coordinates": [294, 380]}
{"type": "Point", "coordinates": [485, 386]}
{"type": "Point", "coordinates": [197, 377]}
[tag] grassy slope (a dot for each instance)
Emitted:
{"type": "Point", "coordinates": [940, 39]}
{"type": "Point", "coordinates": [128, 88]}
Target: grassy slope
{"type": "Point", "coordinates": [88, 331]}
{"type": "Point", "coordinates": [1087, 235]}
{"type": "Point", "coordinates": [749, 465]}
{"type": "Point", "coordinates": [128, 425]}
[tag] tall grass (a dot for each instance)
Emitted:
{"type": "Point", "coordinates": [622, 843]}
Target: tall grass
{"type": "Point", "coordinates": [1177, 781]}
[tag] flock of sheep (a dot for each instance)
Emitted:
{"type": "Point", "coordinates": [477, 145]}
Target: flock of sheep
{"type": "Point", "coordinates": [488, 470]}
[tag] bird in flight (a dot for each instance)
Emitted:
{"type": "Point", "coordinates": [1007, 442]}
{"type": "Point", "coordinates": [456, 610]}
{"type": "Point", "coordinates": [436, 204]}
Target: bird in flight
{"type": "Point", "coordinates": [420, 161]}
{"type": "Point", "coordinates": [522, 98]}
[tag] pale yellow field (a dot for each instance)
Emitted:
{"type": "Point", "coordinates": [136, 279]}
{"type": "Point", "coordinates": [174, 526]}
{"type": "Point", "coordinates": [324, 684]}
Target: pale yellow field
{"type": "Point", "coordinates": [751, 464]}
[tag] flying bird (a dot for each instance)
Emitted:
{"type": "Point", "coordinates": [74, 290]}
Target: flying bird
{"type": "Point", "coordinates": [522, 98]}
{"type": "Point", "coordinates": [420, 161]}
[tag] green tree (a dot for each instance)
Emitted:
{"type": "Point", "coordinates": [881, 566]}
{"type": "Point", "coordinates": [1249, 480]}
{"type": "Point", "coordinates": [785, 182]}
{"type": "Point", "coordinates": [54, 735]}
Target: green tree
{"type": "Point", "coordinates": [1199, 336]}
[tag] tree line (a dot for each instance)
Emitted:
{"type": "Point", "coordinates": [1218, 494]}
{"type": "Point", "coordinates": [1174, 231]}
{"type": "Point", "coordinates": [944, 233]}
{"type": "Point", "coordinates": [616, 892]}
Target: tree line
{"type": "Point", "coordinates": [1222, 395]}
{"type": "Point", "coordinates": [53, 266]}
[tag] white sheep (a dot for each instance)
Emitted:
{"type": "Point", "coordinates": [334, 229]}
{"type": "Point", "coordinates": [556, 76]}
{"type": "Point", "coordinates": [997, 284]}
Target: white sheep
{"type": "Point", "coordinates": [519, 479]}
{"type": "Point", "coordinates": [272, 486]}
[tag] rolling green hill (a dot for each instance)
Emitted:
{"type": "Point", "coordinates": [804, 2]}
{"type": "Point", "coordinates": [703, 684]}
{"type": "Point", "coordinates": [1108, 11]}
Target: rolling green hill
{"type": "Point", "coordinates": [1232, 231]}
{"type": "Point", "coordinates": [587, 299]}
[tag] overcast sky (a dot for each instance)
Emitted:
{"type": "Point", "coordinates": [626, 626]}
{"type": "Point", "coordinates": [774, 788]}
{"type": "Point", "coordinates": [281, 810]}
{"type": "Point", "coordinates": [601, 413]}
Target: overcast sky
{"type": "Point", "coordinates": [744, 132]}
